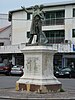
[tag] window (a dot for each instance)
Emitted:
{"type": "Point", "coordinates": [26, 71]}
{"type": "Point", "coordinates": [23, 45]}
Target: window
{"type": "Point", "coordinates": [1, 43]}
{"type": "Point", "coordinates": [47, 15]}
{"type": "Point", "coordinates": [60, 14]}
{"type": "Point", "coordinates": [55, 36]}
{"type": "Point", "coordinates": [73, 33]}
{"type": "Point", "coordinates": [55, 17]}
{"type": "Point", "coordinates": [28, 34]}
{"type": "Point", "coordinates": [28, 16]}
{"type": "Point", "coordinates": [74, 12]}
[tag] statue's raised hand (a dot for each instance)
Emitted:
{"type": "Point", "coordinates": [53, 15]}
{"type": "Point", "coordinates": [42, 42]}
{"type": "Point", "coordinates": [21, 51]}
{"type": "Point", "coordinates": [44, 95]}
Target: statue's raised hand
{"type": "Point", "coordinates": [24, 9]}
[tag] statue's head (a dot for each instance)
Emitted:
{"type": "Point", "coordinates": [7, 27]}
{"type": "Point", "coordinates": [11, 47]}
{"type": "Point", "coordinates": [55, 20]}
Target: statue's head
{"type": "Point", "coordinates": [41, 7]}
{"type": "Point", "coordinates": [36, 7]}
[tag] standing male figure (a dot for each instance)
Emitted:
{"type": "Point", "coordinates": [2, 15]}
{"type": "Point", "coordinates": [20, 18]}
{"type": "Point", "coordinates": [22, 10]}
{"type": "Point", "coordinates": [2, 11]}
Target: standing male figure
{"type": "Point", "coordinates": [36, 25]}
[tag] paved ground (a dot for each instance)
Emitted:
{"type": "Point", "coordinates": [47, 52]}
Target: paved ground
{"type": "Point", "coordinates": [11, 94]}
{"type": "Point", "coordinates": [7, 91]}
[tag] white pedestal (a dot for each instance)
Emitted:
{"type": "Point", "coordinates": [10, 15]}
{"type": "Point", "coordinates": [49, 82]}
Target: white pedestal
{"type": "Point", "coordinates": [38, 70]}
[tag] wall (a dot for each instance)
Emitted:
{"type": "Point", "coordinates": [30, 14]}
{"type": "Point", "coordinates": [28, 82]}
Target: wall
{"type": "Point", "coordinates": [69, 23]}
{"type": "Point", "coordinates": [20, 26]}
{"type": "Point", "coordinates": [5, 36]}
{"type": "Point", "coordinates": [4, 20]}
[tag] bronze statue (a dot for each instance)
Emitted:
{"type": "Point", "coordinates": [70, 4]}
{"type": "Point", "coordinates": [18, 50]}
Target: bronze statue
{"type": "Point", "coordinates": [36, 25]}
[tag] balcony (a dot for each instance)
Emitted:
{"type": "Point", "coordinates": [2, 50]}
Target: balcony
{"type": "Point", "coordinates": [64, 47]}
{"type": "Point", "coordinates": [55, 40]}
{"type": "Point", "coordinates": [56, 21]}
{"type": "Point", "coordinates": [12, 48]}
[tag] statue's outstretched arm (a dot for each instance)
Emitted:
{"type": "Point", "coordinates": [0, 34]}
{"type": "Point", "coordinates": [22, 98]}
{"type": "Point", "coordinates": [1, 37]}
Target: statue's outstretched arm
{"type": "Point", "coordinates": [42, 15]}
{"type": "Point", "coordinates": [24, 9]}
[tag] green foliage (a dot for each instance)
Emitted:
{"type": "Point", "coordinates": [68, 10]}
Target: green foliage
{"type": "Point", "coordinates": [61, 90]}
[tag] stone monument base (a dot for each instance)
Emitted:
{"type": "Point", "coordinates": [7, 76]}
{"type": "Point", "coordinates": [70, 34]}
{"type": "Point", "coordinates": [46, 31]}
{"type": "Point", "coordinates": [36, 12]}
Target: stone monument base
{"type": "Point", "coordinates": [38, 88]}
{"type": "Point", "coordinates": [38, 70]}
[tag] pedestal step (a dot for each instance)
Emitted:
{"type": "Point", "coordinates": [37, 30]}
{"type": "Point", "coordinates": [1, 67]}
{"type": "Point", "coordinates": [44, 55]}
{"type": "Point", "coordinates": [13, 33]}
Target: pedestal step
{"type": "Point", "coordinates": [38, 88]}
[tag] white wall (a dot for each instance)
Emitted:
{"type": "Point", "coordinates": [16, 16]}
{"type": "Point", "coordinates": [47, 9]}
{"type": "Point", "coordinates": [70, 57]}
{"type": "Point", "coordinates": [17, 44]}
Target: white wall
{"type": "Point", "coordinates": [5, 36]}
{"type": "Point", "coordinates": [4, 20]}
{"type": "Point", "coordinates": [68, 22]}
{"type": "Point", "coordinates": [20, 26]}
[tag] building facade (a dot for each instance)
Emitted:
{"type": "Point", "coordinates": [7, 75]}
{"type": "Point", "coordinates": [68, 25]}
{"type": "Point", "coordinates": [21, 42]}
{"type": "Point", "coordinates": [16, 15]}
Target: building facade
{"type": "Point", "coordinates": [4, 20]}
{"type": "Point", "coordinates": [5, 36]}
{"type": "Point", "coordinates": [58, 26]}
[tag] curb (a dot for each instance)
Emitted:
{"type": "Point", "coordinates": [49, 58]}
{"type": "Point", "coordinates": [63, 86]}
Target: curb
{"type": "Point", "coordinates": [12, 98]}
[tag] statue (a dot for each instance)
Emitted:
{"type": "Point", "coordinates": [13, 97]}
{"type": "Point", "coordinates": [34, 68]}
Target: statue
{"type": "Point", "coordinates": [36, 25]}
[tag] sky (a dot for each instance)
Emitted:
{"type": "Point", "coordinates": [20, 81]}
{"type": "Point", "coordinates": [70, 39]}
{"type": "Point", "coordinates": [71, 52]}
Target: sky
{"type": "Point", "coordinates": [9, 5]}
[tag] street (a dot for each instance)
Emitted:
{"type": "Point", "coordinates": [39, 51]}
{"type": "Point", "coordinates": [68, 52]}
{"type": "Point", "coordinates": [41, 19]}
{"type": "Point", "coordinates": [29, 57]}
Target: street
{"type": "Point", "coordinates": [7, 90]}
{"type": "Point", "coordinates": [10, 82]}
{"type": "Point", "coordinates": [67, 83]}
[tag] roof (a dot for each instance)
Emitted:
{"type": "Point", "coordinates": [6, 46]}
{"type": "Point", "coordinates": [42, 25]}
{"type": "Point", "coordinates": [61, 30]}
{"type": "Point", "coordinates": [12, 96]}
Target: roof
{"type": "Point", "coordinates": [4, 28]}
{"type": "Point", "coordinates": [64, 3]}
